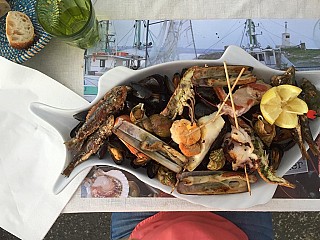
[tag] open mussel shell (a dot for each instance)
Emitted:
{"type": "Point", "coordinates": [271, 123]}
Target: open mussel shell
{"type": "Point", "coordinates": [202, 109]}
{"type": "Point", "coordinates": [152, 169]}
{"type": "Point", "coordinates": [217, 159]}
{"type": "Point", "coordinates": [140, 91]}
{"type": "Point", "coordinates": [74, 131]}
{"type": "Point", "coordinates": [102, 150]}
{"type": "Point", "coordinates": [275, 154]}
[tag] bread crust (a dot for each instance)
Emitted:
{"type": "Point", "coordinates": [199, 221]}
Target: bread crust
{"type": "Point", "coordinates": [19, 30]}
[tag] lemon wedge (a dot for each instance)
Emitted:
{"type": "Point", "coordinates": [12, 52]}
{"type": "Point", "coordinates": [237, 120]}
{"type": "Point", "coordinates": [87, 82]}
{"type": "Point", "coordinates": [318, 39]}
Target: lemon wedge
{"type": "Point", "coordinates": [281, 106]}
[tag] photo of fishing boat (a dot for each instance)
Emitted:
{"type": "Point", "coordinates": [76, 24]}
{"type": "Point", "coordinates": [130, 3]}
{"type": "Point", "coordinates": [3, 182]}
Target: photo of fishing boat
{"type": "Point", "coordinates": [138, 44]}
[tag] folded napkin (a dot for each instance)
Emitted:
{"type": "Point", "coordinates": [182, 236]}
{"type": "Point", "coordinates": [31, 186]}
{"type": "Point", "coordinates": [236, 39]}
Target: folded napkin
{"type": "Point", "coordinates": [32, 152]}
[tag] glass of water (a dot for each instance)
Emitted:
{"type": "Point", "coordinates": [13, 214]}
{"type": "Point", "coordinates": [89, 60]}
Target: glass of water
{"type": "Point", "coordinates": [73, 21]}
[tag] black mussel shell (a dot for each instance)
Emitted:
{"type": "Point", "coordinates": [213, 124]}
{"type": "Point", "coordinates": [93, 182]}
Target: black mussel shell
{"type": "Point", "coordinates": [219, 140]}
{"type": "Point", "coordinates": [169, 85]}
{"type": "Point", "coordinates": [116, 154]}
{"type": "Point", "coordinates": [206, 95]}
{"type": "Point", "coordinates": [202, 109]}
{"type": "Point", "coordinates": [152, 169]}
{"type": "Point", "coordinates": [81, 116]}
{"type": "Point", "coordinates": [140, 91]}
{"type": "Point", "coordinates": [275, 154]}
{"type": "Point", "coordinates": [102, 150]}
{"type": "Point", "coordinates": [117, 150]}
{"type": "Point", "coordinates": [74, 131]}
{"type": "Point", "coordinates": [134, 165]}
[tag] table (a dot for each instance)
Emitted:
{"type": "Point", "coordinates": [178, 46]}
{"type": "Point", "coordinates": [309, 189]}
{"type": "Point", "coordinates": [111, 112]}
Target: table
{"type": "Point", "coordinates": [69, 72]}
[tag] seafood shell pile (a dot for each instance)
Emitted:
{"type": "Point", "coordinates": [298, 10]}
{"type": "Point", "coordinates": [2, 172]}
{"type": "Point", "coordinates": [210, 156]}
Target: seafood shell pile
{"type": "Point", "coordinates": [194, 132]}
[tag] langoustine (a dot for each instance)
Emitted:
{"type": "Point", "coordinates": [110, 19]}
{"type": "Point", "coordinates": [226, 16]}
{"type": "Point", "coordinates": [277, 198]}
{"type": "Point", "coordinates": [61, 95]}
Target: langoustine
{"type": "Point", "coordinates": [184, 95]}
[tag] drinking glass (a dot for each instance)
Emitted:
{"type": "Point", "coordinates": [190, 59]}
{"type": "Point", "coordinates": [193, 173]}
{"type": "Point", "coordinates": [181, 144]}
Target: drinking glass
{"type": "Point", "coordinates": [73, 21]}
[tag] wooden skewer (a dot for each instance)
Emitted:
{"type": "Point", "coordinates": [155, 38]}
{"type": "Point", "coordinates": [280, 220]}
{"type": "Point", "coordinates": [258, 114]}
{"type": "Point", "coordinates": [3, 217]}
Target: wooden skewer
{"type": "Point", "coordinates": [247, 179]}
{"type": "Point", "coordinates": [236, 120]}
{"type": "Point", "coordinates": [222, 104]}
{"type": "Point", "coordinates": [231, 97]}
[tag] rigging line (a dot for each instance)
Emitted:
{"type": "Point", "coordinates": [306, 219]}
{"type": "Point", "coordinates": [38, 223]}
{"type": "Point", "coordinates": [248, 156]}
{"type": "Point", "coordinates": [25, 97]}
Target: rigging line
{"type": "Point", "coordinates": [131, 30]}
{"type": "Point", "coordinates": [224, 36]}
{"type": "Point", "coordinates": [262, 26]}
{"type": "Point", "coordinates": [292, 43]}
{"type": "Point", "coordinates": [291, 30]}
{"type": "Point", "coordinates": [206, 51]}
{"type": "Point", "coordinates": [194, 44]}
{"type": "Point", "coordinates": [240, 39]}
{"type": "Point", "coordinates": [152, 36]}
{"type": "Point", "coordinates": [270, 32]}
{"type": "Point", "coordinates": [243, 33]}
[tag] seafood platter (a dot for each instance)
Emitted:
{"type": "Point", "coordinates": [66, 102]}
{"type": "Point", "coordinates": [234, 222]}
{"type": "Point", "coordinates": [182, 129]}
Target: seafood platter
{"type": "Point", "coordinates": [219, 133]}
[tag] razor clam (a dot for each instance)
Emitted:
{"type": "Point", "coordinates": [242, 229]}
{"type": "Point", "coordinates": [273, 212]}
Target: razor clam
{"type": "Point", "coordinates": [213, 182]}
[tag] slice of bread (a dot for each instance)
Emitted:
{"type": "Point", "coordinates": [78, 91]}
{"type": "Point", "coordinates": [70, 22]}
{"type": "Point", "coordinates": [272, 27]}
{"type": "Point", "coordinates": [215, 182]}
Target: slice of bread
{"type": "Point", "coordinates": [4, 8]}
{"type": "Point", "coordinates": [19, 30]}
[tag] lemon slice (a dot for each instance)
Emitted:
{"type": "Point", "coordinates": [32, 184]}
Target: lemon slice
{"type": "Point", "coordinates": [281, 106]}
{"type": "Point", "coordinates": [270, 112]}
{"type": "Point", "coordinates": [287, 120]}
{"type": "Point", "coordinates": [288, 92]}
{"type": "Point", "coordinates": [271, 97]}
{"type": "Point", "coordinates": [297, 106]}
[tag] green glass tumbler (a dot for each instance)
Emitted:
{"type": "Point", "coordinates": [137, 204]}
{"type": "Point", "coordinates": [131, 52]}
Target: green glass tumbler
{"type": "Point", "coordinates": [73, 21]}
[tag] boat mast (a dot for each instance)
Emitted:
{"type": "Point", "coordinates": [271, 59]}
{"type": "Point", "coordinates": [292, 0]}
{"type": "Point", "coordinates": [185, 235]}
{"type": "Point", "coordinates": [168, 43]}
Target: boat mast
{"type": "Point", "coordinates": [194, 43]}
{"type": "Point", "coordinates": [251, 32]}
{"type": "Point", "coordinates": [137, 35]}
{"type": "Point", "coordinates": [147, 40]}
